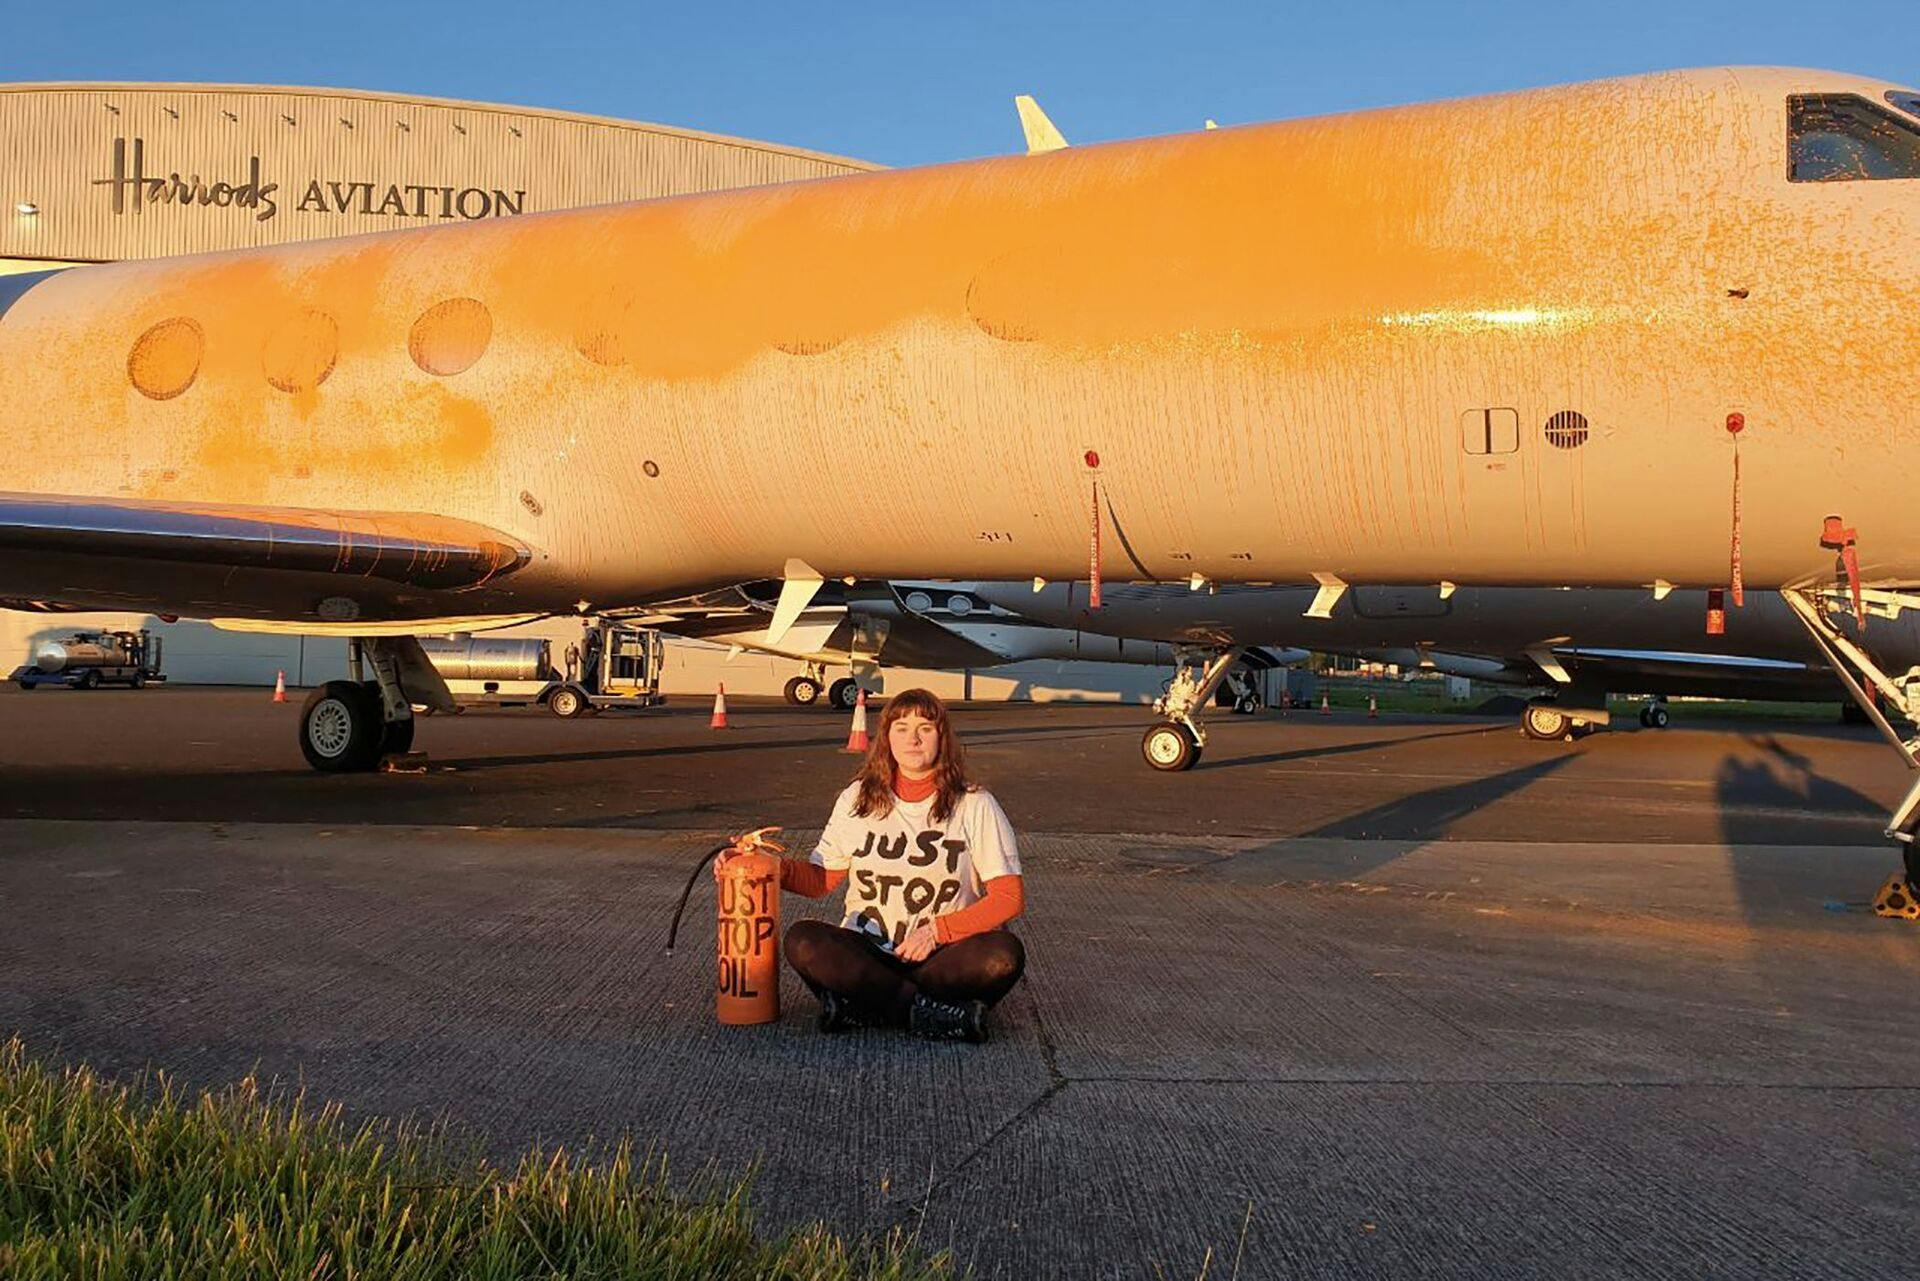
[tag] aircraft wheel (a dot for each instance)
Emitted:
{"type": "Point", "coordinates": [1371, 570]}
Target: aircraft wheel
{"type": "Point", "coordinates": [803, 691]}
{"type": "Point", "coordinates": [568, 702]}
{"type": "Point", "coordinates": [1170, 747]}
{"type": "Point", "coordinates": [396, 737]}
{"type": "Point", "coordinates": [844, 693]}
{"type": "Point", "coordinates": [1655, 717]}
{"type": "Point", "coordinates": [91, 680]}
{"type": "Point", "coordinates": [341, 728]}
{"type": "Point", "coordinates": [1545, 722]}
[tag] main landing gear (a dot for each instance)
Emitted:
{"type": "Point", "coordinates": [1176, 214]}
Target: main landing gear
{"type": "Point", "coordinates": [805, 691]}
{"type": "Point", "coordinates": [1576, 712]}
{"type": "Point", "coordinates": [351, 726]}
{"type": "Point", "coordinates": [1863, 677]}
{"type": "Point", "coordinates": [1175, 742]}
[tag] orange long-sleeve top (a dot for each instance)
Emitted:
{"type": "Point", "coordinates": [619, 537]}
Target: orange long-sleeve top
{"type": "Point", "coordinates": [1004, 899]}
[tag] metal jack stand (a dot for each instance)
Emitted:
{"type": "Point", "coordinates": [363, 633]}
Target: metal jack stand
{"type": "Point", "coordinates": [1857, 670]}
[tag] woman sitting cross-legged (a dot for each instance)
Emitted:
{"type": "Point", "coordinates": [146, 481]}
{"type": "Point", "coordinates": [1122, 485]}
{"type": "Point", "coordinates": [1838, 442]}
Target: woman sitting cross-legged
{"type": "Point", "coordinates": [932, 877]}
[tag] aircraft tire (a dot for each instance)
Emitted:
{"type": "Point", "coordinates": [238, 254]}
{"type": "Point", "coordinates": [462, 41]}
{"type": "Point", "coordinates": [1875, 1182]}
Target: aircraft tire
{"type": "Point", "coordinates": [802, 691]}
{"type": "Point", "coordinates": [1170, 748]}
{"type": "Point", "coordinates": [341, 728]}
{"type": "Point", "coordinates": [568, 702]}
{"type": "Point", "coordinates": [844, 693]}
{"type": "Point", "coordinates": [1544, 722]}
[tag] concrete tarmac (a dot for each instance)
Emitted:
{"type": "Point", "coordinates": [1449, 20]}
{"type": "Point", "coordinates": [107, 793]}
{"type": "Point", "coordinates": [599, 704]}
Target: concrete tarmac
{"type": "Point", "coordinates": [1357, 998]}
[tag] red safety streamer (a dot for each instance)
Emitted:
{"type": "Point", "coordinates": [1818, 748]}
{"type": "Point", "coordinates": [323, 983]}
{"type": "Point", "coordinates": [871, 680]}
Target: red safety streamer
{"type": "Point", "coordinates": [1735, 422]}
{"type": "Point", "coordinates": [1093, 569]}
{"type": "Point", "coordinates": [1836, 535]}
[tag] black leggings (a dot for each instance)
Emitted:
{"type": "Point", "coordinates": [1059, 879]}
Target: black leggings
{"type": "Point", "coordinates": [879, 984]}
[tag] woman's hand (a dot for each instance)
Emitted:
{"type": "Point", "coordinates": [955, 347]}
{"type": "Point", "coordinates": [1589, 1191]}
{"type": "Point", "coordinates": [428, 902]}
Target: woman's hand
{"type": "Point", "coordinates": [919, 943]}
{"type": "Point", "coordinates": [721, 860]}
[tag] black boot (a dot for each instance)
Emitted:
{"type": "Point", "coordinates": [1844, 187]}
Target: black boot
{"type": "Point", "coordinates": [948, 1020]}
{"type": "Point", "coordinates": [836, 1013]}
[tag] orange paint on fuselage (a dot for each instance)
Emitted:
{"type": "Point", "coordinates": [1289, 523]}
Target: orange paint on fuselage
{"type": "Point", "coordinates": [1290, 317]}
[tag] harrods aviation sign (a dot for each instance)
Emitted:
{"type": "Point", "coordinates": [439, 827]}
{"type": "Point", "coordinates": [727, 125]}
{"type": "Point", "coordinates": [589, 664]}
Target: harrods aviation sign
{"type": "Point", "coordinates": [134, 190]}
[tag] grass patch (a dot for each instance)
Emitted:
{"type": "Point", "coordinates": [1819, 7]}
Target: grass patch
{"type": "Point", "coordinates": [105, 1181]}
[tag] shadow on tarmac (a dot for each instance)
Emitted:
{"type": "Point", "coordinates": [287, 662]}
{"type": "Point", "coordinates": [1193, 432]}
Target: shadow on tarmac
{"type": "Point", "coordinates": [475, 764]}
{"type": "Point", "coordinates": [1426, 816]}
{"type": "Point", "coordinates": [1341, 749]}
{"type": "Point", "coordinates": [1388, 832]}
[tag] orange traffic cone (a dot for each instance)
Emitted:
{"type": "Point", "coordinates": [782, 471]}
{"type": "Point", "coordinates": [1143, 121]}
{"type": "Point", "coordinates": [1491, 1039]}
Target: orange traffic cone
{"type": "Point", "coordinates": [1373, 708]}
{"type": "Point", "coordinates": [1325, 710]}
{"type": "Point", "coordinates": [719, 720]}
{"type": "Point", "coordinates": [857, 737]}
{"type": "Point", "coordinates": [280, 686]}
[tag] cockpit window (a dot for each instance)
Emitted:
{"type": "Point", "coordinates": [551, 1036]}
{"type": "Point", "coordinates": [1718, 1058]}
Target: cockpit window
{"type": "Point", "coordinates": [1907, 101]}
{"type": "Point", "coordinates": [1841, 137]}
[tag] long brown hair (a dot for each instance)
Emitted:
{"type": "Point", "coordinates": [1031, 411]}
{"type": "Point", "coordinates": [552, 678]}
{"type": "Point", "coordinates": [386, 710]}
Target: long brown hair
{"type": "Point", "coordinates": [950, 780]}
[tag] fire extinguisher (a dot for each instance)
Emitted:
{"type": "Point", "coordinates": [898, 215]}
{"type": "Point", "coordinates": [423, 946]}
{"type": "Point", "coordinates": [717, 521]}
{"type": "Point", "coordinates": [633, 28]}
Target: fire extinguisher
{"type": "Point", "coordinates": [747, 926]}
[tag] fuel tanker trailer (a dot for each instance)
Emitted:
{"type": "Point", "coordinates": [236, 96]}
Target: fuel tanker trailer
{"type": "Point", "coordinates": [609, 666]}
{"type": "Point", "coordinates": [88, 660]}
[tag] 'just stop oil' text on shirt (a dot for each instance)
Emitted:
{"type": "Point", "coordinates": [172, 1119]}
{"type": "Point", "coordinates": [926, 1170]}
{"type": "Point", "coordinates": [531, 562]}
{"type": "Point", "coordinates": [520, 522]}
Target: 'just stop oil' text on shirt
{"type": "Point", "coordinates": [903, 868]}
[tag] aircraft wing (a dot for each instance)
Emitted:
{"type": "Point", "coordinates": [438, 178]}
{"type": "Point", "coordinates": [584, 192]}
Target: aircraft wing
{"type": "Point", "coordinates": [282, 562]}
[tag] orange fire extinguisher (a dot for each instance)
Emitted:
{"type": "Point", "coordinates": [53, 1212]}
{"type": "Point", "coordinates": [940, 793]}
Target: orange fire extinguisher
{"type": "Point", "coordinates": [747, 928]}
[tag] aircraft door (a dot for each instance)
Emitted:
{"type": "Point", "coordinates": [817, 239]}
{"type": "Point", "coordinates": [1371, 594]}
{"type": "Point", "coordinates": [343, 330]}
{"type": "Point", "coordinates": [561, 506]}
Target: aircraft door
{"type": "Point", "coordinates": [1493, 484]}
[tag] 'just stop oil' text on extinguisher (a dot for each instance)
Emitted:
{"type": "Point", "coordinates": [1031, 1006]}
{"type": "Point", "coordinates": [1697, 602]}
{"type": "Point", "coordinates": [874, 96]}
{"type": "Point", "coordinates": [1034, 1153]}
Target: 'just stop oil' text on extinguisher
{"type": "Point", "coordinates": [747, 930]}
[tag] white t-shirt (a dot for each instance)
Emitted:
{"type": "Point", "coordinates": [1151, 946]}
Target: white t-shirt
{"type": "Point", "coordinates": [903, 868]}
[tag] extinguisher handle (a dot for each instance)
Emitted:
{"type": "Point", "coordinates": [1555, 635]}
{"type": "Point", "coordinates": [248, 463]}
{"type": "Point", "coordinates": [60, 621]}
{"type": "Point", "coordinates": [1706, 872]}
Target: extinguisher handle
{"type": "Point", "coordinates": [708, 857]}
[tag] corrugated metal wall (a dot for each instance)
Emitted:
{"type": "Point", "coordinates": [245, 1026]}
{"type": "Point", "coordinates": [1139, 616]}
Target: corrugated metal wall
{"type": "Point", "coordinates": [138, 171]}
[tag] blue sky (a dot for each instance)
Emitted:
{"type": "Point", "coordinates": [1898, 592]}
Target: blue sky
{"type": "Point", "coordinates": [913, 82]}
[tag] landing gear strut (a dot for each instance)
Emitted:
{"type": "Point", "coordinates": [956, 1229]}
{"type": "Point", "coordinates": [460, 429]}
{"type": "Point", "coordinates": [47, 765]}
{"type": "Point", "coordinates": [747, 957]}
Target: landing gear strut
{"type": "Point", "coordinates": [1175, 743]}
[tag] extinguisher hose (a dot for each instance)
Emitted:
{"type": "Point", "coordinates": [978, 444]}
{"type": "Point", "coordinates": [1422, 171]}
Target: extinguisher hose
{"type": "Point", "coordinates": [687, 893]}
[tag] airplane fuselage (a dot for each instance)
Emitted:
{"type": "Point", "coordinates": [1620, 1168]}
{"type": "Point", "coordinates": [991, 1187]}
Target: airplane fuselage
{"type": "Point", "coordinates": [1487, 341]}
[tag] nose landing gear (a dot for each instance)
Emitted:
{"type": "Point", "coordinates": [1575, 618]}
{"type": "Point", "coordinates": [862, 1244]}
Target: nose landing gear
{"type": "Point", "coordinates": [1175, 743]}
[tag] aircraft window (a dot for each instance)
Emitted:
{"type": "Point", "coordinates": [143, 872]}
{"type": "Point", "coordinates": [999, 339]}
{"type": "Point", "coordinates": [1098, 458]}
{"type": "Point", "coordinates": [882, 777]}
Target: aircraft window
{"type": "Point", "coordinates": [1907, 102]}
{"type": "Point", "coordinates": [1841, 137]}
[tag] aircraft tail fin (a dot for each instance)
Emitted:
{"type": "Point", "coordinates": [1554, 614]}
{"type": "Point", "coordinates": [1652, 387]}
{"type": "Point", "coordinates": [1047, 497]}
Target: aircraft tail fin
{"type": "Point", "coordinates": [1041, 134]}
